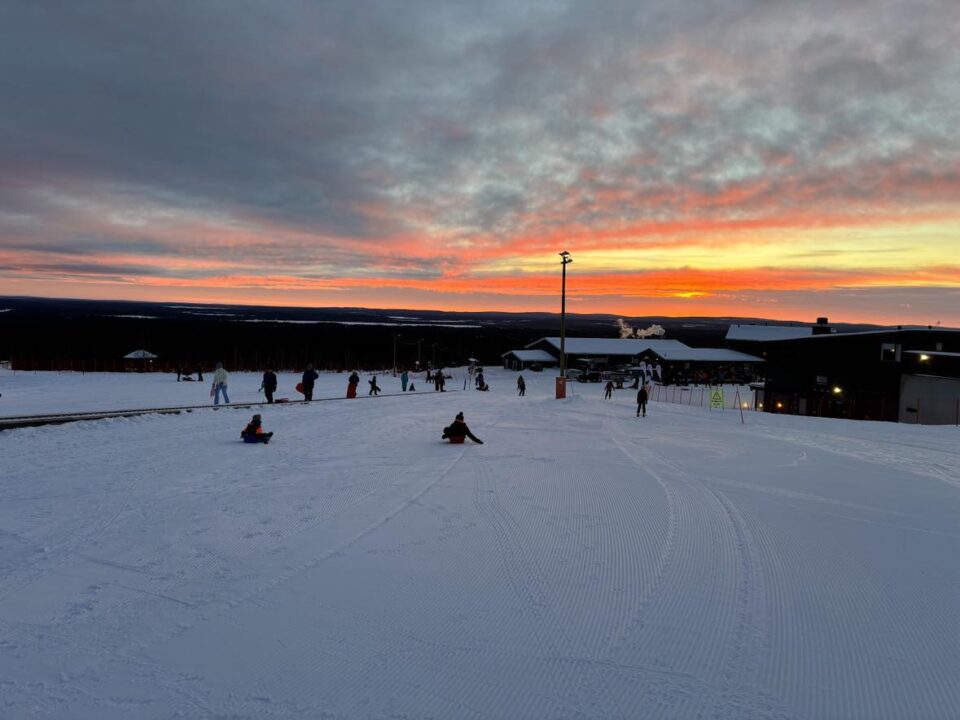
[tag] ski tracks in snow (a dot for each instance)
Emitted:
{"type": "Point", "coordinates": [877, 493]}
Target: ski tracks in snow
{"type": "Point", "coordinates": [702, 629]}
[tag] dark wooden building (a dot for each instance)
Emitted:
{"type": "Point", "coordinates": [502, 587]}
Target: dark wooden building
{"type": "Point", "coordinates": [854, 375]}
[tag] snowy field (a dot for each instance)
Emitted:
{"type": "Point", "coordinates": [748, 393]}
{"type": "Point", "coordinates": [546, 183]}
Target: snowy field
{"type": "Point", "coordinates": [583, 563]}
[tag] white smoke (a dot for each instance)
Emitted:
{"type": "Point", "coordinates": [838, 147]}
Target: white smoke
{"type": "Point", "coordinates": [652, 330]}
{"type": "Point", "coordinates": [628, 332]}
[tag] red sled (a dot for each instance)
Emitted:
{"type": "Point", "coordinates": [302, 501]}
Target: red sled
{"type": "Point", "coordinates": [457, 440]}
{"type": "Point", "coordinates": [299, 388]}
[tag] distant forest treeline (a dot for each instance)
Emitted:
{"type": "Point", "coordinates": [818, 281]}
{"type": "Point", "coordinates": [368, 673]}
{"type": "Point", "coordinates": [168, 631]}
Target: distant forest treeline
{"type": "Point", "coordinates": [93, 336]}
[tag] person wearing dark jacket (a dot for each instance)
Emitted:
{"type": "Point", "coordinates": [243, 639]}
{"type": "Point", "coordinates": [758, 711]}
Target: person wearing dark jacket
{"type": "Point", "coordinates": [309, 378]}
{"type": "Point", "coordinates": [253, 432]}
{"type": "Point", "coordinates": [521, 386]}
{"type": "Point", "coordinates": [608, 390]}
{"type": "Point", "coordinates": [269, 384]}
{"type": "Point", "coordinates": [374, 388]}
{"type": "Point", "coordinates": [642, 401]}
{"type": "Point", "coordinates": [458, 430]}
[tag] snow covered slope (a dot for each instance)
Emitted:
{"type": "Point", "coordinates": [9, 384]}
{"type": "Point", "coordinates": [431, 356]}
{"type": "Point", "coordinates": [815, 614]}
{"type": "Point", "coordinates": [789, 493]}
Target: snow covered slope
{"type": "Point", "coordinates": [581, 563]}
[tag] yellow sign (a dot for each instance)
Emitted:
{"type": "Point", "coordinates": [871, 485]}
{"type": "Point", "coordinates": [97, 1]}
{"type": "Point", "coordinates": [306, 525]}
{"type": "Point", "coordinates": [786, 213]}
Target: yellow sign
{"type": "Point", "coordinates": [716, 399]}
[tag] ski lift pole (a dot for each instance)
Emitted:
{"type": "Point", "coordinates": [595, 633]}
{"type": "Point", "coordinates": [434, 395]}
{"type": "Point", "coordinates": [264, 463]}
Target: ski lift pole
{"type": "Point", "coordinates": [740, 405]}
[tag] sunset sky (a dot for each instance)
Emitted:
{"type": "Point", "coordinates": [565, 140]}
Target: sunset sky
{"type": "Point", "coordinates": [771, 158]}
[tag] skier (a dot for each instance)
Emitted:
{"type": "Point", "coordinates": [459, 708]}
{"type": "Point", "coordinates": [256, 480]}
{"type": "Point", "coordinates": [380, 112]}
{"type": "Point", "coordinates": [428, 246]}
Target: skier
{"type": "Point", "coordinates": [458, 430]}
{"type": "Point", "coordinates": [219, 385]}
{"type": "Point", "coordinates": [642, 401]}
{"type": "Point", "coordinates": [269, 384]}
{"type": "Point", "coordinates": [608, 390]}
{"type": "Point", "coordinates": [521, 386]}
{"type": "Point", "coordinates": [309, 378]}
{"type": "Point", "coordinates": [374, 388]}
{"type": "Point", "coordinates": [404, 379]}
{"type": "Point", "coordinates": [352, 383]}
{"type": "Point", "coordinates": [253, 432]}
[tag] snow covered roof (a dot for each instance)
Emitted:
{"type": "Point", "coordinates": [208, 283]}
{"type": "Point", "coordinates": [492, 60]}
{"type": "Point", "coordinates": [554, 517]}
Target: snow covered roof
{"type": "Point", "coordinates": [667, 349]}
{"type": "Point", "coordinates": [531, 355]}
{"type": "Point", "coordinates": [760, 333]}
{"type": "Point", "coordinates": [612, 346]}
{"type": "Point", "coordinates": [139, 355]}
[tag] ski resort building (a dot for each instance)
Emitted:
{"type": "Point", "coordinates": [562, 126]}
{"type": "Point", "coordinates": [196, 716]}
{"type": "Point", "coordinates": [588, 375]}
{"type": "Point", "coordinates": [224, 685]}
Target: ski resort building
{"type": "Point", "coordinates": [903, 374]}
{"type": "Point", "coordinates": [523, 359]}
{"type": "Point", "coordinates": [680, 362]}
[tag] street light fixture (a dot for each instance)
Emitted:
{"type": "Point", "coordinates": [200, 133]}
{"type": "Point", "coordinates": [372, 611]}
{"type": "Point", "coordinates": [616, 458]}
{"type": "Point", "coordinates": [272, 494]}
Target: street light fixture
{"type": "Point", "coordinates": [565, 260]}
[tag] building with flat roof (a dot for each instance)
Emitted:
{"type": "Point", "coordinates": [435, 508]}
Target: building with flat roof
{"type": "Point", "coordinates": [871, 375]}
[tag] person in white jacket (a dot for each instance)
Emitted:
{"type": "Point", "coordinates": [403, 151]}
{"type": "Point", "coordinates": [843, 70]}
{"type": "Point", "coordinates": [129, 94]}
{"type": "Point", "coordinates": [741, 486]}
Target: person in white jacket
{"type": "Point", "coordinates": [219, 385]}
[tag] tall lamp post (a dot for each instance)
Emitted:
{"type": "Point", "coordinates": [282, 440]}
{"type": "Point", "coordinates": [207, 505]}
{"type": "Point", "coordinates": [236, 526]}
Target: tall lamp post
{"type": "Point", "coordinates": [565, 260]}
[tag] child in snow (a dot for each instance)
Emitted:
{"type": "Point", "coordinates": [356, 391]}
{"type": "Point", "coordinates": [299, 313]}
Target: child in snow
{"type": "Point", "coordinates": [374, 388]}
{"type": "Point", "coordinates": [253, 432]}
{"type": "Point", "coordinates": [458, 430]}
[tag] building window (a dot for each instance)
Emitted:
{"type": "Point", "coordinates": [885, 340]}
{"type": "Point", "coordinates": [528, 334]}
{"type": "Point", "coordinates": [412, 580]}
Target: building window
{"type": "Point", "coordinates": [888, 352]}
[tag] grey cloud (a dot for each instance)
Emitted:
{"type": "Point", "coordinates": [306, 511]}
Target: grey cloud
{"type": "Point", "coordinates": [478, 116]}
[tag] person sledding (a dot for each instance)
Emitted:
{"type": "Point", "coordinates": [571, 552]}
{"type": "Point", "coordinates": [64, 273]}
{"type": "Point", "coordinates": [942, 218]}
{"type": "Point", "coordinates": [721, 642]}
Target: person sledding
{"type": "Point", "coordinates": [456, 431]}
{"type": "Point", "coordinates": [253, 432]}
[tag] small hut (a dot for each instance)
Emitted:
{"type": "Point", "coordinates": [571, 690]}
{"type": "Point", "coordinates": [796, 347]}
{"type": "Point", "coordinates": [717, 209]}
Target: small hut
{"type": "Point", "coordinates": [139, 360]}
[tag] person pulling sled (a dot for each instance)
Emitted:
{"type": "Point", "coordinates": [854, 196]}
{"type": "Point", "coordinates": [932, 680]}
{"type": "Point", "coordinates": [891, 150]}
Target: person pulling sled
{"type": "Point", "coordinates": [253, 432]}
{"type": "Point", "coordinates": [456, 431]}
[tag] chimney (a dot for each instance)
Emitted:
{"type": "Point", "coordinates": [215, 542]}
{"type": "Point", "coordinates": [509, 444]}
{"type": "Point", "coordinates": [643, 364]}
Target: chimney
{"type": "Point", "coordinates": [822, 327]}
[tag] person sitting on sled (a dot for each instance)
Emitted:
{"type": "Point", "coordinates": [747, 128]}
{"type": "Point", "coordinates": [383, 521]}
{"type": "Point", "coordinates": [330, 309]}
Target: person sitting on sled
{"type": "Point", "coordinates": [253, 432]}
{"type": "Point", "coordinates": [458, 430]}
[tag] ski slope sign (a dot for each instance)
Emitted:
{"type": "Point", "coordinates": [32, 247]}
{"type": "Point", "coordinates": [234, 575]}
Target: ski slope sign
{"type": "Point", "coordinates": [716, 399]}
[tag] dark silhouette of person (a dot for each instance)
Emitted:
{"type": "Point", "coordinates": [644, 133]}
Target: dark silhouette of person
{"type": "Point", "coordinates": [309, 378]}
{"type": "Point", "coordinates": [269, 384]}
{"type": "Point", "coordinates": [642, 401]}
{"type": "Point", "coordinates": [458, 430]}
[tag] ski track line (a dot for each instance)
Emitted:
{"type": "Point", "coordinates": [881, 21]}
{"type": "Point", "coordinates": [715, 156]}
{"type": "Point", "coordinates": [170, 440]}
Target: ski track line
{"type": "Point", "coordinates": [880, 453]}
{"type": "Point", "coordinates": [739, 634]}
{"type": "Point", "coordinates": [530, 586]}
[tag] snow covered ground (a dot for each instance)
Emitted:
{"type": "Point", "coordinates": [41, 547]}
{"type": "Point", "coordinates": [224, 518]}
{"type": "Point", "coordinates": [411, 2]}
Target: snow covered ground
{"type": "Point", "coordinates": [583, 563]}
